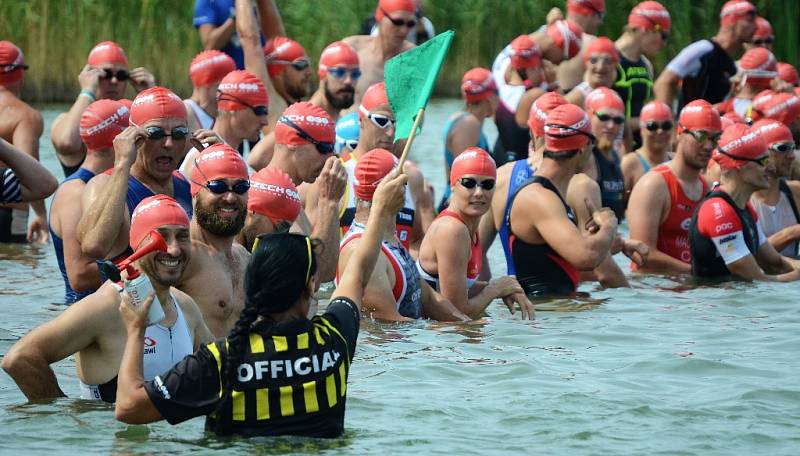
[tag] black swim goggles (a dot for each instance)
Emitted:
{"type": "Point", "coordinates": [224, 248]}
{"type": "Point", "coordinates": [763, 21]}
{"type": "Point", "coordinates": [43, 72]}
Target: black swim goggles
{"type": "Point", "coordinates": [121, 75]}
{"type": "Point", "coordinates": [398, 22]}
{"type": "Point", "coordinates": [257, 110]}
{"type": "Point", "coordinates": [470, 183]}
{"type": "Point", "coordinates": [323, 148]}
{"type": "Point", "coordinates": [219, 186]}
{"type": "Point", "coordinates": [763, 161]}
{"type": "Point", "coordinates": [158, 133]}
{"type": "Point", "coordinates": [655, 126]}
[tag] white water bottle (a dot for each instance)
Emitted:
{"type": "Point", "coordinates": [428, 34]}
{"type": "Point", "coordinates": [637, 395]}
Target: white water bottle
{"type": "Point", "coordinates": [138, 286]}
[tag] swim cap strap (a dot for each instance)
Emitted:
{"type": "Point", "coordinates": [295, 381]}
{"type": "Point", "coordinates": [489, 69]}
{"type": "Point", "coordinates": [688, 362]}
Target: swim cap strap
{"type": "Point", "coordinates": [308, 269]}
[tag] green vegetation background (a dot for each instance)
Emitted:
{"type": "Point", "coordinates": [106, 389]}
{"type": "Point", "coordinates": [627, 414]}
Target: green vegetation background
{"type": "Point", "coordinates": [56, 35]}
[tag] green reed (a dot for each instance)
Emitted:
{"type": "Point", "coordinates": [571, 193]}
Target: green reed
{"type": "Point", "coordinates": [57, 35]}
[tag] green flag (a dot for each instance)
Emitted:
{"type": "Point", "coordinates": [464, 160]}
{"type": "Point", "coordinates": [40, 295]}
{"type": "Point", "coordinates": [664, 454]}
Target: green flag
{"type": "Point", "coordinates": [410, 78]}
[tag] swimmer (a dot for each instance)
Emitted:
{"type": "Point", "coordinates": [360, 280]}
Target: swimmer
{"type": "Point", "coordinates": [756, 70]}
{"type": "Point", "coordinates": [656, 125]}
{"type": "Point", "coordinates": [465, 128]}
{"type": "Point", "coordinates": [101, 122]}
{"type": "Point", "coordinates": [277, 372]}
{"type": "Point", "coordinates": [776, 207]}
{"type": "Point", "coordinates": [394, 19]}
{"type": "Point", "coordinates": [763, 36]}
{"type": "Point", "coordinates": [601, 59]}
{"type": "Point", "coordinates": [25, 179]}
{"type": "Point", "coordinates": [661, 204]}
{"type": "Point", "coordinates": [219, 189]}
{"type": "Point", "coordinates": [206, 71]}
{"type": "Point", "coordinates": [451, 256]}
{"type": "Point", "coordinates": [105, 75]}
{"type": "Point", "coordinates": [725, 237]}
{"type": "Point", "coordinates": [548, 248]}
{"type": "Point", "coordinates": [21, 126]}
{"type": "Point", "coordinates": [607, 114]}
{"type": "Point", "coordinates": [93, 330]}
{"type": "Point", "coordinates": [348, 130]}
{"type": "Point", "coordinates": [273, 205]}
{"type": "Point", "coordinates": [589, 15]}
{"type": "Point", "coordinates": [395, 292]}
{"type": "Point", "coordinates": [788, 74]}
{"type": "Point", "coordinates": [304, 139]}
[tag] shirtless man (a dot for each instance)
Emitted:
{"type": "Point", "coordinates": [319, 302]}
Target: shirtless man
{"type": "Point", "coordinates": [394, 18]}
{"type": "Point", "coordinates": [663, 201]}
{"type": "Point", "coordinates": [21, 126]}
{"type": "Point", "coordinates": [92, 327]}
{"type": "Point", "coordinates": [589, 15]}
{"type": "Point", "coordinates": [304, 139]}
{"type": "Point", "coordinates": [102, 121]}
{"type": "Point", "coordinates": [273, 205]}
{"type": "Point", "coordinates": [215, 274]}
{"type": "Point", "coordinates": [656, 126]}
{"type": "Point", "coordinates": [206, 71]}
{"type": "Point", "coordinates": [395, 292]}
{"type": "Point", "coordinates": [104, 76]}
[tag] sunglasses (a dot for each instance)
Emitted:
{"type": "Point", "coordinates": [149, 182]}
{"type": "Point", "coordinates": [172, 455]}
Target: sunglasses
{"type": "Point", "coordinates": [158, 133]}
{"type": "Point", "coordinates": [298, 65]}
{"type": "Point", "coordinates": [219, 187]}
{"type": "Point", "coordinates": [470, 183]}
{"type": "Point", "coordinates": [383, 122]}
{"type": "Point", "coordinates": [257, 110]}
{"type": "Point", "coordinates": [121, 75]}
{"type": "Point", "coordinates": [763, 161]}
{"type": "Point", "coordinates": [596, 60]}
{"type": "Point", "coordinates": [763, 41]}
{"type": "Point", "coordinates": [603, 117]}
{"type": "Point", "coordinates": [702, 136]}
{"type": "Point", "coordinates": [12, 67]}
{"type": "Point", "coordinates": [323, 148]}
{"type": "Point", "coordinates": [399, 22]}
{"type": "Point", "coordinates": [655, 126]}
{"type": "Point", "coordinates": [782, 148]}
{"type": "Point", "coordinates": [341, 73]}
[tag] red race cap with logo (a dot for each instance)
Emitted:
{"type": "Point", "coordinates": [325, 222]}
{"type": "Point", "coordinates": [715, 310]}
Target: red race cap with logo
{"type": "Point", "coordinates": [650, 15]}
{"type": "Point", "coordinates": [586, 7]}
{"type": "Point", "coordinates": [216, 162]}
{"type": "Point", "coordinates": [763, 29]}
{"type": "Point", "coordinates": [539, 110]}
{"type": "Point", "coordinates": [773, 131]}
{"type": "Point", "coordinates": [374, 96]}
{"type": "Point", "coordinates": [152, 213]}
{"type": "Point", "coordinates": [477, 84]}
{"type": "Point", "coordinates": [655, 111]}
{"type": "Point", "coordinates": [107, 52]}
{"type": "Point", "coordinates": [335, 54]}
{"type": "Point", "coordinates": [12, 63]}
{"type": "Point", "coordinates": [566, 35]}
{"type": "Point", "coordinates": [524, 53]}
{"type": "Point", "coordinates": [370, 170]}
{"type": "Point", "coordinates": [738, 146]}
{"type": "Point", "coordinates": [600, 46]}
{"type": "Point", "coordinates": [101, 122]}
{"type": "Point", "coordinates": [281, 51]}
{"type": "Point", "coordinates": [473, 160]}
{"type": "Point", "coordinates": [567, 128]}
{"type": "Point", "coordinates": [788, 73]}
{"type": "Point", "coordinates": [209, 67]}
{"type": "Point", "coordinates": [603, 98]}
{"type": "Point", "coordinates": [735, 10]}
{"type": "Point", "coordinates": [393, 6]}
{"type": "Point", "coordinates": [156, 103]}
{"type": "Point", "coordinates": [781, 106]}
{"type": "Point", "coordinates": [699, 115]}
{"type": "Point", "coordinates": [312, 119]}
{"type": "Point", "coordinates": [273, 195]}
{"type": "Point", "coordinates": [241, 89]}
{"type": "Point", "coordinates": [758, 67]}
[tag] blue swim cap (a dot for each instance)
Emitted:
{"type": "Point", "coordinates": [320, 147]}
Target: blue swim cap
{"type": "Point", "coordinates": [347, 132]}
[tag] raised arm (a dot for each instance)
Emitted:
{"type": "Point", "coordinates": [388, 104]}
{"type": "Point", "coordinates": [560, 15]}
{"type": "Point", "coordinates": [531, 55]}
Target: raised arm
{"type": "Point", "coordinates": [36, 182]}
{"type": "Point", "coordinates": [332, 182]}
{"type": "Point", "coordinates": [254, 62]}
{"type": "Point", "coordinates": [270, 18]}
{"type": "Point", "coordinates": [65, 133]}
{"type": "Point", "coordinates": [665, 86]}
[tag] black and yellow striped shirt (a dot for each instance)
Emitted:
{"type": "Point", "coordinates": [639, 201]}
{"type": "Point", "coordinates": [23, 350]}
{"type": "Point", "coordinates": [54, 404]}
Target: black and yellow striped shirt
{"type": "Point", "coordinates": [292, 379]}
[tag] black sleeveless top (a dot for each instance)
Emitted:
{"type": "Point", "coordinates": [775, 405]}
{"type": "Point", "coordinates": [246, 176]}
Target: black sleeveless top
{"type": "Point", "coordinates": [512, 141]}
{"type": "Point", "coordinates": [634, 85]}
{"type": "Point", "coordinates": [541, 271]}
{"type": "Point", "coordinates": [712, 82]}
{"type": "Point", "coordinates": [612, 183]}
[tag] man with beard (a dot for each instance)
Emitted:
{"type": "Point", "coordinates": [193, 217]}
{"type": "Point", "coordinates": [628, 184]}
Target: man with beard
{"type": "Point", "coordinates": [214, 276]}
{"type": "Point", "coordinates": [92, 327]}
{"type": "Point", "coordinates": [724, 236]}
{"type": "Point", "coordinates": [662, 202]}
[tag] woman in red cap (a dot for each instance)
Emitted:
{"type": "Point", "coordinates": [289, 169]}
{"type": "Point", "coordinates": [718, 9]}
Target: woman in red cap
{"type": "Point", "coordinates": [601, 59]}
{"type": "Point", "coordinates": [465, 128]}
{"type": "Point", "coordinates": [657, 126]}
{"type": "Point", "coordinates": [763, 37]}
{"type": "Point", "coordinates": [450, 256]}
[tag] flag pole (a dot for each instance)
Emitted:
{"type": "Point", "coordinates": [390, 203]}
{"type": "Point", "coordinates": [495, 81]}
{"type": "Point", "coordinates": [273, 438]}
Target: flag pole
{"type": "Point", "coordinates": [411, 137]}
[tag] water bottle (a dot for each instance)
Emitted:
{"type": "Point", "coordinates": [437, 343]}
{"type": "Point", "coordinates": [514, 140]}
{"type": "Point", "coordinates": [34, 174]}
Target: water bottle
{"type": "Point", "coordinates": [138, 286]}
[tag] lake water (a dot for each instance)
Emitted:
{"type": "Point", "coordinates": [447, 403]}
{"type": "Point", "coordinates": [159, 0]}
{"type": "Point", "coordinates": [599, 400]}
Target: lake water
{"type": "Point", "coordinates": [661, 368]}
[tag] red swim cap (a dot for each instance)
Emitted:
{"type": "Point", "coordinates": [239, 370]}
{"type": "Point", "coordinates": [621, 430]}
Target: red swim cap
{"type": "Point", "coordinates": [335, 54]}
{"type": "Point", "coordinates": [107, 52]}
{"type": "Point", "coordinates": [281, 51]}
{"type": "Point", "coordinates": [603, 98]}
{"type": "Point", "coordinates": [12, 63]}
{"type": "Point", "coordinates": [273, 195]}
{"type": "Point", "coordinates": [758, 67]}
{"type": "Point", "coordinates": [781, 106]}
{"type": "Point", "coordinates": [240, 87]}
{"type": "Point", "coordinates": [152, 213]}
{"type": "Point", "coordinates": [699, 115]}
{"type": "Point", "coordinates": [209, 67]}
{"type": "Point", "coordinates": [101, 122]}
{"type": "Point", "coordinates": [787, 73]}
{"type": "Point", "coordinates": [391, 6]}
{"type": "Point", "coordinates": [156, 103]}
{"type": "Point", "coordinates": [772, 131]}
{"type": "Point", "coordinates": [370, 170]}
{"type": "Point", "coordinates": [726, 122]}
{"type": "Point", "coordinates": [311, 118]}
{"type": "Point", "coordinates": [539, 110]}
{"type": "Point", "coordinates": [586, 7]}
{"type": "Point", "coordinates": [524, 53]}
{"type": "Point", "coordinates": [566, 35]}
{"type": "Point", "coordinates": [734, 10]}
{"type": "Point", "coordinates": [738, 140]}
{"type": "Point", "coordinates": [473, 160]}
{"type": "Point", "coordinates": [567, 128]}
{"type": "Point", "coordinates": [763, 29]}
{"type": "Point", "coordinates": [128, 103]}
{"type": "Point", "coordinates": [655, 111]}
{"type": "Point", "coordinates": [374, 96]}
{"type": "Point", "coordinates": [218, 161]}
{"type": "Point", "coordinates": [650, 15]}
{"type": "Point", "coordinates": [731, 117]}
{"type": "Point", "coordinates": [477, 84]}
{"type": "Point", "coordinates": [601, 45]}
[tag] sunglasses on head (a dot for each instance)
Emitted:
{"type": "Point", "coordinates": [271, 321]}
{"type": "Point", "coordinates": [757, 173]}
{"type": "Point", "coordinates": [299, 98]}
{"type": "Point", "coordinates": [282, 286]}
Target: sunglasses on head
{"type": "Point", "coordinates": [219, 187]}
{"type": "Point", "coordinates": [158, 133]}
{"type": "Point", "coordinates": [341, 73]}
{"type": "Point", "coordinates": [594, 60]}
{"type": "Point", "coordinates": [782, 148]}
{"type": "Point", "coordinates": [323, 148]}
{"type": "Point", "coordinates": [470, 183]}
{"type": "Point", "coordinates": [763, 41]}
{"type": "Point", "coordinates": [399, 22]}
{"type": "Point", "coordinates": [257, 110]}
{"type": "Point", "coordinates": [702, 136]}
{"type": "Point", "coordinates": [763, 161]}
{"type": "Point", "coordinates": [655, 126]}
{"type": "Point", "coordinates": [382, 121]}
{"type": "Point", "coordinates": [121, 75]}
{"type": "Point", "coordinates": [603, 117]}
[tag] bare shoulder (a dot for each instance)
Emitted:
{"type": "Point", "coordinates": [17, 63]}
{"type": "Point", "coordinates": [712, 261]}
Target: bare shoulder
{"type": "Point", "coordinates": [650, 188]}
{"type": "Point", "coordinates": [583, 185]}
{"type": "Point", "coordinates": [186, 302]}
{"type": "Point", "coordinates": [448, 230]}
{"type": "Point", "coordinates": [357, 42]}
{"type": "Point", "coordinates": [630, 162]}
{"type": "Point", "coordinates": [98, 181]}
{"type": "Point", "coordinates": [241, 254]}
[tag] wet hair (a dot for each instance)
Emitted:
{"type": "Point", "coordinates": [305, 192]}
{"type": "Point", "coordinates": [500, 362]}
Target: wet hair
{"type": "Point", "coordinates": [276, 278]}
{"type": "Point", "coordinates": [560, 156]}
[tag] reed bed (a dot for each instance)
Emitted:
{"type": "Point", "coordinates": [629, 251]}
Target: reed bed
{"type": "Point", "coordinates": [158, 34]}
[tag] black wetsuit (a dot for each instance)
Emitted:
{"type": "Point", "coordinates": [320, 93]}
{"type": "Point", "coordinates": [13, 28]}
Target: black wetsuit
{"type": "Point", "coordinates": [512, 141]}
{"type": "Point", "coordinates": [612, 183]}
